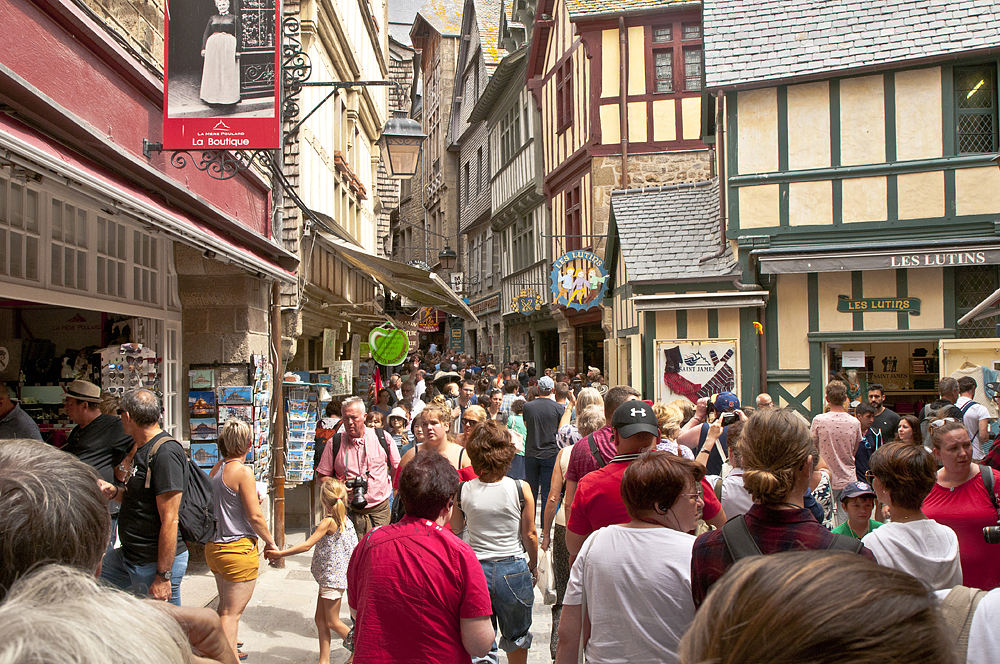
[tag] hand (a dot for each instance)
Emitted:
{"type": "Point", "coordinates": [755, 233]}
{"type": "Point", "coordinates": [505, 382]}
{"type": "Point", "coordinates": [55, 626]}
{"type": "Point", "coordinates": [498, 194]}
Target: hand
{"type": "Point", "coordinates": [534, 577]}
{"type": "Point", "coordinates": [743, 416]}
{"type": "Point", "coordinates": [701, 409]}
{"type": "Point", "coordinates": [109, 491]}
{"type": "Point", "coordinates": [204, 632]}
{"type": "Point", "coordinates": [544, 545]}
{"type": "Point", "coordinates": [272, 555]}
{"type": "Point", "coordinates": [160, 589]}
{"type": "Point", "coordinates": [714, 431]}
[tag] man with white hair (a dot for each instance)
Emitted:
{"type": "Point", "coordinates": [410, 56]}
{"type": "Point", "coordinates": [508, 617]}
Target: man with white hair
{"type": "Point", "coordinates": [363, 458]}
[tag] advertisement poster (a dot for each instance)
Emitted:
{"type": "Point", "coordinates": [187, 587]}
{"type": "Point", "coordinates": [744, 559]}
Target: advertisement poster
{"type": "Point", "coordinates": [579, 280]}
{"type": "Point", "coordinates": [694, 369]}
{"type": "Point", "coordinates": [221, 75]}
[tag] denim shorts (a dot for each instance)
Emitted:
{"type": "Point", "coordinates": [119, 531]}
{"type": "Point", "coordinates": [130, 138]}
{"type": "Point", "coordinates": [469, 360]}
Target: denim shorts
{"type": "Point", "coordinates": [512, 593]}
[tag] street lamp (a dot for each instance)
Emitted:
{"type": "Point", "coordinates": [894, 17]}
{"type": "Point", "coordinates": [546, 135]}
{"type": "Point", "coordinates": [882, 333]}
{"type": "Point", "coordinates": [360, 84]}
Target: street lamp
{"type": "Point", "coordinates": [400, 145]}
{"type": "Point", "coordinates": [447, 257]}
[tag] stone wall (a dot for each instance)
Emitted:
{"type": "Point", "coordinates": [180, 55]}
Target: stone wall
{"type": "Point", "coordinates": [138, 22]}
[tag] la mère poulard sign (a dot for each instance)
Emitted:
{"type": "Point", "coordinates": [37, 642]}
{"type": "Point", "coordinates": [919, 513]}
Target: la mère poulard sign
{"type": "Point", "coordinates": [908, 305]}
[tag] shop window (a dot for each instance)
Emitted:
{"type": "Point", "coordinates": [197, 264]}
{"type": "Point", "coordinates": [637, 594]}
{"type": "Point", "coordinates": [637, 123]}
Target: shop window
{"type": "Point", "coordinates": [973, 284]}
{"type": "Point", "coordinates": [19, 234]}
{"type": "Point", "coordinates": [111, 257]}
{"type": "Point", "coordinates": [145, 267]}
{"type": "Point", "coordinates": [975, 109]}
{"type": "Point", "coordinates": [68, 266]}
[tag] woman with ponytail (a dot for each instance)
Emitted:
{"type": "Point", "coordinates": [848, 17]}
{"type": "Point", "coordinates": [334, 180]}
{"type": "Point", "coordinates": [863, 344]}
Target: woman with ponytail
{"type": "Point", "coordinates": [778, 456]}
{"type": "Point", "coordinates": [334, 539]}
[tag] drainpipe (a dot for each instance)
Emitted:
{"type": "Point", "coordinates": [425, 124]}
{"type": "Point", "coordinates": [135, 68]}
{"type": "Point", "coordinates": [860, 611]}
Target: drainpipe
{"type": "Point", "coordinates": [278, 417]}
{"type": "Point", "coordinates": [622, 85]}
{"type": "Point", "coordinates": [720, 144]}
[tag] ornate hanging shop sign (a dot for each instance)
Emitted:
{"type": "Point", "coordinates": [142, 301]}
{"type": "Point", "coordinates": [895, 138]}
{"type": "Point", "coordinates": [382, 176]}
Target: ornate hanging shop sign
{"type": "Point", "coordinates": [868, 305]}
{"type": "Point", "coordinates": [526, 302]}
{"type": "Point", "coordinates": [579, 280]}
{"type": "Point", "coordinates": [220, 75]}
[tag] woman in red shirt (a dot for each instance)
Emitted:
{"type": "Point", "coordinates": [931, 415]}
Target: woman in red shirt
{"type": "Point", "coordinates": [960, 501]}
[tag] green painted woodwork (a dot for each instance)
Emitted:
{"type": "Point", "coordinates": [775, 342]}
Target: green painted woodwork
{"type": "Point", "coordinates": [648, 350]}
{"type": "Point", "coordinates": [682, 323]}
{"type": "Point", "coordinates": [902, 291]}
{"type": "Point", "coordinates": [863, 170]}
{"type": "Point", "coordinates": [713, 323]}
{"type": "Point", "coordinates": [750, 369]}
{"type": "Point", "coordinates": [948, 286]}
{"type": "Point", "coordinates": [732, 161]}
{"type": "Point", "coordinates": [771, 331]}
{"type": "Point", "coordinates": [835, 122]}
{"type": "Point", "coordinates": [857, 293]}
{"type": "Point", "coordinates": [881, 335]}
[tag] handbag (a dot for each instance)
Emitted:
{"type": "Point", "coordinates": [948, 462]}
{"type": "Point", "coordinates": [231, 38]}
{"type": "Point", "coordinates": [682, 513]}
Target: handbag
{"type": "Point", "coordinates": [546, 578]}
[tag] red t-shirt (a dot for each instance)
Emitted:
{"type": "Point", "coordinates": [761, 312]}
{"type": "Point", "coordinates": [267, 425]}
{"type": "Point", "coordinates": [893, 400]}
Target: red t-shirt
{"type": "Point", "coordinates": [598, 501]}
{"type": "Point", "coordinates": [411, 583]}
{"type": "Point", "coordinates": [967, 509]}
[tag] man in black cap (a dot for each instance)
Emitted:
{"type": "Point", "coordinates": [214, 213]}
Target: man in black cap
{"type": "Point", "coordinates": [97, 439]}
{"type": "Point", "coordinates": [598, 501]}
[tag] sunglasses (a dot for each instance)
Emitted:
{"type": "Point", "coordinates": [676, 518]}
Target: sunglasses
{"type": "Point", "coordinates": [467, 421]}
{"type": "Point", "coordinates": [940, 423]}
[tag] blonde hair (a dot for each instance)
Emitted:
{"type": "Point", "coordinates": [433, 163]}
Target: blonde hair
{"type": "Point", "coordinates": [668, 418]}
{"type": "Point", "coordinates": [439, 410]}
{"type": "Point", "coordinates": [588, 396]}
{"type": "Point", "coordinates": [234, 438]}
{"type": "Point", "coordinates": [774, 444]}
{"type": "Point", "coordinates": [333, 495]}
{"type": "Point", "coordinates": [478, 411]}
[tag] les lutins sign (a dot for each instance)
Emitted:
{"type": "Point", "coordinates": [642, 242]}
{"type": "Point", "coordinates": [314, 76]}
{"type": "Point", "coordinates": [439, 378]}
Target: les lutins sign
{"type": "Point", "coordinates": [907, 305]}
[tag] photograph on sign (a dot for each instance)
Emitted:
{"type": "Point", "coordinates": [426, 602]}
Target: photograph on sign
{"type": "Point", "coordinates": [694, 369]}
{"type": "Point", "coordinates": [221, 75]}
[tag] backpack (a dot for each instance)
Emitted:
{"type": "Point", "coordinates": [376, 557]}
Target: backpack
{"type": "Point", "coordinates": [596, 453]}
{"type": "Point", "coordinates": [741, 544]}
{"type": "Point", "coordinates": [964, 410]}
{"type": "Point", "coordinates": [379, 433]}
{"type": "Point", "coordinates": [958, 609]}
{"type": "Point", "coordinates": [930, 414]}
{"type": "Point", "coordinates": [196, 515]}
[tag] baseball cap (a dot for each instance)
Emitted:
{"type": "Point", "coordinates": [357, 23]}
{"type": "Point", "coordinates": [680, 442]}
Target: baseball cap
{"type": "Point", "coordinates": [855, 489]}
{"type": "Point", "coordinates": [546, 384]}
{"type": "Point", "coordinates": [726, 401]}
{"type": "Point", "coordinates": [634, 417]}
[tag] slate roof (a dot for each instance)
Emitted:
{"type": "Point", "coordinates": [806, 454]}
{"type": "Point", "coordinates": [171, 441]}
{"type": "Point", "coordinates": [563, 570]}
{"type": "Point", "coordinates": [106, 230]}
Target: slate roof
{"type": "Point", "coordinates": [488, 20]}
{"type": "Point", "coordinates": [498, 84]}
{"type": "Point", "coordinates": [401, 15]}
{"type": "Point", "coordinates": [583, 8]}
{"type": "Point", "coordinates": [445, 16]}
{"type": "Point", "coordinates": [757, 40]}
{"type": "Point", "coordinates": [665, 231]}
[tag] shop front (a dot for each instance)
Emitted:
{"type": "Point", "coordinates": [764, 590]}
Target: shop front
{"type": "Point", "coordinates": [876, 316]}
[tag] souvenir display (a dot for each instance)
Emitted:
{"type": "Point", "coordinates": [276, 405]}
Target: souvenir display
{"type": "Point", "coordinates": [129, 367]}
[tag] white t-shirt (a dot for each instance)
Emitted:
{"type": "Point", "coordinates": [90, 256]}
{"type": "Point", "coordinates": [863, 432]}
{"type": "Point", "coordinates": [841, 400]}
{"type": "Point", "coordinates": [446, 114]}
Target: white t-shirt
{"type": "Point", "coordinates": [735, 498]}
{"type": "Point", "coordinates": [638, 586]}
{"type": "Point", "coordinates": [925, 549]}
{"type": "Point", "coordinates": [976, 412]}
{"type": "Point", "coordinates": [984, 633]}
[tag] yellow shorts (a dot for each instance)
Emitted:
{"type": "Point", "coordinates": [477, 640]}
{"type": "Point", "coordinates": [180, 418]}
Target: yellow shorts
{"type": "Point", "coordinates": [234, 561]}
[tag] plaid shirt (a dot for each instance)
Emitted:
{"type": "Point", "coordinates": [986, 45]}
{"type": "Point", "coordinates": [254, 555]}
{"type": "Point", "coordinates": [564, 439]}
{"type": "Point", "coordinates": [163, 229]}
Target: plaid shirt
{"type": "Point", "coordinates": [773, 530]}
{"type": "Point", "coordinates": [508, 399]}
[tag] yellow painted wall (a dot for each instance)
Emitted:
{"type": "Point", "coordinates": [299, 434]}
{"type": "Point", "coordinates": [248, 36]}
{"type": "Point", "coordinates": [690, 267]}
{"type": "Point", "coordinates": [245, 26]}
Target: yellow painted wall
{"type": "Point", "coordinates": [864, 199]}
{"type": "Point", "coordinates": [928, 285]}
{"type": "Point", "coordinates": [809, 125]}
{"type": "Point", "coordinates": [810, 203]}
{"type": "Point", "coordinates": [691, 117]}
{"type": "Point", "coordinates": [918, 115]}
{"type": "Point", "coordinates": [664, 120]}
{"type": "Point", "coordinates": [759, 206]}
{"type": "Point", "coordinates": [981, 352]}
{"type": "Point", "coordinates": [879, 283]}
{"type": "Point", "coordinates": [758, 131]}
{"type": "Point", "coordinates": [666, 324]}
{"type": "Point", "coordinates": [611, 126]}
{"type": "Point", "coordinates": [832, 284]}
{"type": "Point", "coordinates": [610, 69]}
{"type": "Point", "coordinates": [637, 115]}
{"type": "Point", "coordinates": [636, 60]}
{"type": "Point", "coordinates": [698, 323]}
{"type": "Point", "coordinates": [976, 190]}
{"type": "Point", "coordinates": [729, 323]}
{"type": "Point", "coordinates": [921, 195]}
{"type": "Point", "coordinates": [862, 121]}
{"type": "Point", "coordinates": [793, 321]}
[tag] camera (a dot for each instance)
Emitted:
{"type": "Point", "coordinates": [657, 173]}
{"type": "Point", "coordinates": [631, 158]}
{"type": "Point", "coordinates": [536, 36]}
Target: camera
{"type": "Point", "coordinates": [992, 534]}
{"type": "Point", "coordinates": [728, 418]}
{"type": "Point", "coordinates": [358, 486]}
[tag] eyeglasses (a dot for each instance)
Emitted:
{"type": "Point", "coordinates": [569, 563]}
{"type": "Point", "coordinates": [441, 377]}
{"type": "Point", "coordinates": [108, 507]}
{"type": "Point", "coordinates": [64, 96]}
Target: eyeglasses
{"type": "Point", "coordinates": [697, 495]}
{"type": "Point", "coordinates": [939, 423]}
{"type": "Point", "coordinates": [869, 476]}
{"type": "Point", "coordinates": [120, 412]}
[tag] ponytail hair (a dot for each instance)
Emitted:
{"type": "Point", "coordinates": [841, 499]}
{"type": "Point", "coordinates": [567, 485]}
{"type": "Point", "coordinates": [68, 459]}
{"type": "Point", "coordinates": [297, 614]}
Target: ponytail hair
{"type": "Point", "coordinates": [333, 495]}
{"type": "Point", "coordinates": [774, 444]}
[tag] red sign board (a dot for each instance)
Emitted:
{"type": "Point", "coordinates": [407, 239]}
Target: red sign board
{"type": "Point", "coordinates": [222, 74]}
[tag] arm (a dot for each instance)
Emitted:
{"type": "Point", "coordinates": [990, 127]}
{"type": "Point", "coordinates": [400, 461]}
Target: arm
{"type": "Point", "coordinates": [714, 431]}
{"type": "Point", "coordinates": [322, 529]}
{"type": "Point", "coordinates": [251, 505]}
{"type": "Point", "coordinates": [167, 505]}
{"type": "Point", "coordinates": [567, 411]}
{"type": "Point", "coordinates": [457, 517]}
{"type": "Point", "coordinates": [574, 542]}
{"type": "Point", "coordinates": [984, 430]}
{"type": "Point", "coordinates": [568, 500]}
{"type": "Point", "coordinates": [528, 535]}
{"type": "Point", "coordinates": [690, 436]}
{"type": "Point", "coordinates": [700, 415]}
{"type": "Point", "coordinates": [552, 502]}
{"type": "Point", "coordinates": [571, 625]}
{"type": "Point", "coordinates": [477, 635]}
{"type": "Point", "coordinates": [718, 520]}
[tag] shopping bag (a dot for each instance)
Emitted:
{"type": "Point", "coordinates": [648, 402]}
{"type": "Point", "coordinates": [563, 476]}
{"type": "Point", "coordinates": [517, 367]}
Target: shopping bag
{"type": "Point", "coordinates": [546, 579]}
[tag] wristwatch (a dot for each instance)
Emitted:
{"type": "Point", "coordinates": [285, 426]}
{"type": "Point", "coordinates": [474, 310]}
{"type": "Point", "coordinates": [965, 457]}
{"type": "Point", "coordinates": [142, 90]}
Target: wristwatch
{"type": "Point", "coordinates": [163, 575]}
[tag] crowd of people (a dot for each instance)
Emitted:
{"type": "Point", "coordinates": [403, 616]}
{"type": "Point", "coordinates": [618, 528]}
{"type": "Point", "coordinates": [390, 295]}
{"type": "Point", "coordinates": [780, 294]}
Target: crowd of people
{"type": "Point", "coordinates": [679, 531]}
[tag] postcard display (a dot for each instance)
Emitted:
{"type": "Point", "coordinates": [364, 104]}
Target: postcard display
{"type": "Point", "coordinates": [217, 393]}
{"type": "Point", "coordinates": [302, 408]}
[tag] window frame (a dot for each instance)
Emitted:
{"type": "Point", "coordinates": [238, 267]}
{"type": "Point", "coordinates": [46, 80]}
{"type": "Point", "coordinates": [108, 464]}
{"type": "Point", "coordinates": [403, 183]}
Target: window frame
{"type": "Point", "coordinates": [564, 95]}
{"type": "Point", "coordinates": [678, 47]}
{"type": "Point", "coordinates": [573, 218]}
{"type": "Point", "coordinates": [960, 112]}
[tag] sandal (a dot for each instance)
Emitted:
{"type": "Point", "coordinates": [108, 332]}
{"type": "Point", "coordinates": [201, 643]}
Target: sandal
{"type": "Point", "coordinates": [241, 655]}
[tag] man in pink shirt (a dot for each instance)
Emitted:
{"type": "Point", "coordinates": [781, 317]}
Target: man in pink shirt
{"type": "Point", "coordinates": [366, 455]}
{"type": "Point", "coordinates": [837, 435]}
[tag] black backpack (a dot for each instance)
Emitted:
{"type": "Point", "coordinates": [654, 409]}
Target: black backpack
{"type": "Point", "coordinates": [379, 433]}
{"type": "Point", "coordinates": [196, 515]}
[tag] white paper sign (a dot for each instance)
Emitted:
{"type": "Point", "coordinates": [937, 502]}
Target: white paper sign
{"type": "Point", "coordinates": [853, 358]}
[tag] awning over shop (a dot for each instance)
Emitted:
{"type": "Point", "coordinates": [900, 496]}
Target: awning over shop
{"type": "Point", "coordinates": [988, 307]}
{"type": "Point", "coordinates": [24, 146]}
{"type": "Point", "coordinates": [423, 287]}
{"type": "Point", "coordinates": [856, 258]}
{"type": "Point", "coordinates": [674, 301]}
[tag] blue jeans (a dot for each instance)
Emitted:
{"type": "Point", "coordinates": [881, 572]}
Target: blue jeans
{"type": "Point", "coordinates": [512, 594]}
{"type": "Point", "coordinates": [538, 475]}
{"type": "Point", "coordinates": [121, 574]}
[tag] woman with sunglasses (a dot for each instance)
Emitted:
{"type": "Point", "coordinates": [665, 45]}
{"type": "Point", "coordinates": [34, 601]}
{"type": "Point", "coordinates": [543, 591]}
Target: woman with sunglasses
{"type": "Point", "coordinates": [471, 418]}
{"type": "Point", "coordinates": [961, 501]}
{"type": "Point", "coordinates": [629, 593]}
